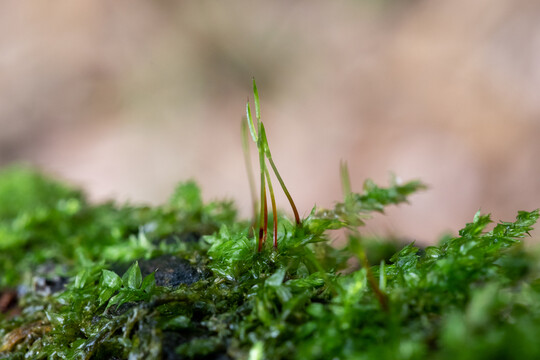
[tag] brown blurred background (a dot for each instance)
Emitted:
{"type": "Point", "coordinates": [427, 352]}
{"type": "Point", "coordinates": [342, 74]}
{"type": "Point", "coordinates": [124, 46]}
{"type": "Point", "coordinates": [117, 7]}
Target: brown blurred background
{"type": "Point", "coordinates": [126, 98]}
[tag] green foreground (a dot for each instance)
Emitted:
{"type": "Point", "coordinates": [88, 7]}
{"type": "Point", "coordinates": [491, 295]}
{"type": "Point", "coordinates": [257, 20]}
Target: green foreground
{"type": "Point", "coordinates": [474, 296]}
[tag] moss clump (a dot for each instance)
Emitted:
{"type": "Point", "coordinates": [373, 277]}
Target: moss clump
{"type": "Point", "coordinates": [87, 289]}
{"type": "Point", "coordinates": [189, 280]}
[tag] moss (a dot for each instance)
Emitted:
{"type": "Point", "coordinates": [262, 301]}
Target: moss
{"type": "Point", "coordinates": [188, 280]}
{"type": "Point", "coordinates": [468, 297]}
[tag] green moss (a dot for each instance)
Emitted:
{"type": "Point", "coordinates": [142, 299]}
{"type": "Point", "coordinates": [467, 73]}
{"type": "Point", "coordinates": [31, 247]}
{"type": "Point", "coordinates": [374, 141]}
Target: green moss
{"type": "Point", "coordinates": [188, 280]}
{"type": "Point", "coordinates": [471, 296]}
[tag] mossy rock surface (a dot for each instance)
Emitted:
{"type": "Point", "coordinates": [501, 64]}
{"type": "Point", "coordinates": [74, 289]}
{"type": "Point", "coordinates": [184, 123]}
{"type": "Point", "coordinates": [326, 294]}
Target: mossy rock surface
{"type": "Point", "coordinates": [185, 281]}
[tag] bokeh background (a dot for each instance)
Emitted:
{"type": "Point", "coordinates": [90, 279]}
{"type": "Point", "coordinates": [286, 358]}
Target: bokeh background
{"type": "Point", "coordinates": [126, 98]}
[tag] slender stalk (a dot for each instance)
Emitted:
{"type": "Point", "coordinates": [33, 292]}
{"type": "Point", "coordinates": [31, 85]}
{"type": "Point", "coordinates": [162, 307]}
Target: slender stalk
{"type": "Point", "coordinates": [249, 170]}
{"type": "Point", "coordinates": [379, 294]}
{"type": "Point", "coordinates": [265, 223]}
{"type": "Point", "coordinates": [259, 137]}
{"type": "Point", "coordinates": [274, 208]}
{"type": "Point", "coordinates": [360, 252]}
{"type": "Point", "coordinates": [263, 220]}
{"type": "Point", "coordinates": [262, 136]}
{"type": "Point", "coordinates": [345, 179]}
{"type": "Point", "coordinates": [263, 217]}
{"type": "Point", "coordinates": [256, 101]}
{"type": "Point", "coordinates": [291, 201]}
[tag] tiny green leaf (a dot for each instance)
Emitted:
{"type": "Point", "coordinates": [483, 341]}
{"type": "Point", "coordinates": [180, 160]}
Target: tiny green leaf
{"type": "Point", "coordinates": [149, 283]}
{"type": "Point", "coordinates": [110, 279]}
{"type": "Point", "coordinates": [82, 278]}
{"type": "Point", "coordinates": [276, 279]}
{"type": "Point", "coordinates": [132, 278]}
{"type": "Point", "coordinates": [105, 294]}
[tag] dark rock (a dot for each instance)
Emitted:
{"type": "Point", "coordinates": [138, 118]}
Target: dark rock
{"type": "Point", "coordinates": [170, 270]}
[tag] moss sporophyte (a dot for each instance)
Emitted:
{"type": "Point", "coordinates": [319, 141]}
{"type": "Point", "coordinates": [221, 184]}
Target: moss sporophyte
{"type": "Point", "coordinates": [189, 280]}
{"type": "Point", "coordinates": [259, 137]}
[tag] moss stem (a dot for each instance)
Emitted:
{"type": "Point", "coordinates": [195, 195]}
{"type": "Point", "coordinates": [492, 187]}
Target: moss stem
{"type": "Point", "coordinates": [274, 208]}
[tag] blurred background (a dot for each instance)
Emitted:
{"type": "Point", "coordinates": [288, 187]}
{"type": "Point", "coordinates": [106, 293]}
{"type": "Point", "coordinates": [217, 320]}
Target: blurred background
{"type": "Point", "coordinates": [126, 98]}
